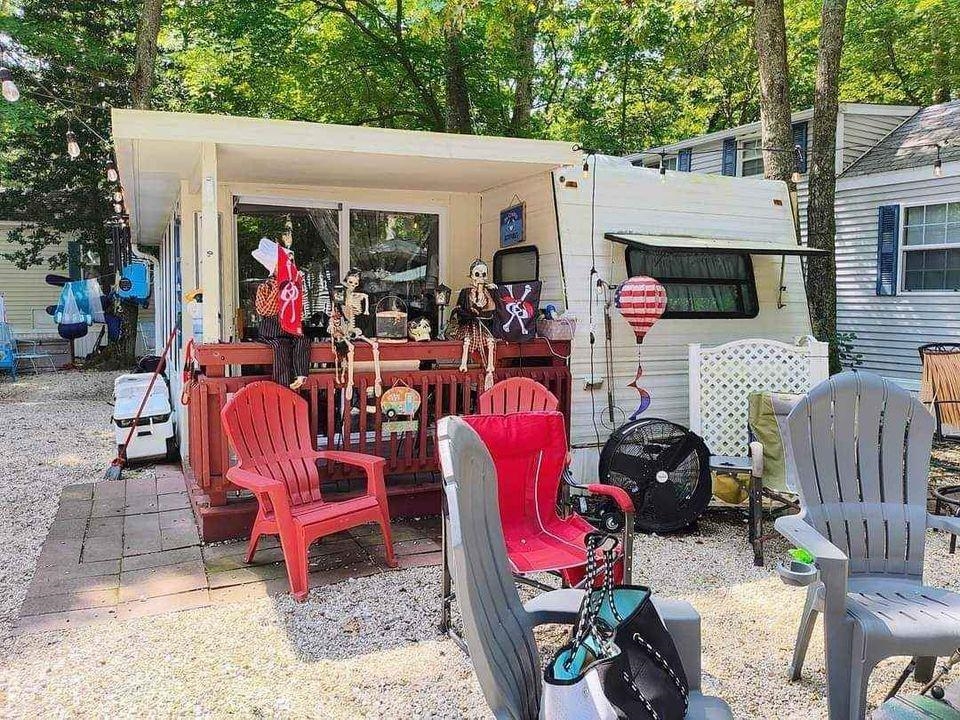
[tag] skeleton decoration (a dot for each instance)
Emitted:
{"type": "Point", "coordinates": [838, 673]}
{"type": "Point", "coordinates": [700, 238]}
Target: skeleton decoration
{"type": "Point", "coordinates": [348, 304]}
{"type": "Point", "coordinates": [419, 330]}
{"type": "Point", "coordinates": [641, 300]}
{"type": "Point", "coordinates": [517, 306]}
{"type": "Point", "coordinates": [472, 318]}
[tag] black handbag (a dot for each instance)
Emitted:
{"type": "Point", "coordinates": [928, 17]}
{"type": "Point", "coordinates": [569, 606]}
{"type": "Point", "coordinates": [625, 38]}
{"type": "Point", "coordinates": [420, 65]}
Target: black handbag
{"type": "Point", "coordinates": [646, 680]}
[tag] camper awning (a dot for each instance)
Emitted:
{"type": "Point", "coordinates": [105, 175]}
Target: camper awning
{"type": "Point", "coordinates": [711, 245]}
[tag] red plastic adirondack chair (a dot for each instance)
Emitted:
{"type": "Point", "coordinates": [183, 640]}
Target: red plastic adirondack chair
{"type": "Point", "coordinates": [516, 394]}
{"type": "Point", "coordinates": [529, 450]}
{"type": "Point", "coordinates": [268, 428]}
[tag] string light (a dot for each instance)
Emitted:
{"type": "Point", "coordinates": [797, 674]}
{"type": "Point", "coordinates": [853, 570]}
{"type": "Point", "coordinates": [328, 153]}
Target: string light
{"type": "Point", "coordinates": [118, 208]}
{"type": "Point", "coordinates": [586, 168]}
{"type": "Point", "coordinates": [118, 196]}
{"type": "Point", "coordinates": [112, 174]}
{"type": "Point", "coordinates": [938, 165]}
{"type": "Point", "coordinates": [11, 93]}
{"type": "Point", "coordinates": [73, 147]}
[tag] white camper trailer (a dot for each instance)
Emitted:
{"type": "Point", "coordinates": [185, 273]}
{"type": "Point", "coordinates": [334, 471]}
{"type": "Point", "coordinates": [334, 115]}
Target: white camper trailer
{"type": "Point", "coordinates": [728, 245]}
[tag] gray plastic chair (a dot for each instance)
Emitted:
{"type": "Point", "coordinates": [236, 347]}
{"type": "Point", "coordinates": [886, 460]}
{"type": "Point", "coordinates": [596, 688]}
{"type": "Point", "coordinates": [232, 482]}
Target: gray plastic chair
{"type": "Point", "coordinates": [862, 449]}
{"type": "Point", "coordinates": [497, 626]}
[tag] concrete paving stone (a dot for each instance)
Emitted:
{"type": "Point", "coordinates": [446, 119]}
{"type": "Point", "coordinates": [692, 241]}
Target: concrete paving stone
{"type": "Point", "coordinates": [179, 537]}
{"type": "Point", "coordinates": [362, 530]}
{"type": "Point", "coordinates": [88, 569]}
{"type": "Point", "coordinates": [162, 580]}
{"type": "Point", "coordinates": [109, 490]}
{"type": "Point", "coordinates": [420, 560]}
{"type": "Point", "coordinates": [74, 509]}
{"type": "Point", "coordinates": [326, 546]}
{"type": "Point", "coordinates": [141, 534]}
{"type": "Point", "coordinates": [177, 518]}
{"type": "Point", "coordinates": [141, 486]}
{"type": "Point", "coordinates": [249, 574]}
{"type": "Point", "coordinates": [69, 601]}
{"type": "Point", "coordinates": [60, 553]}
{"type": "Point", "coordinates": [164, 604]}
{"type": "Point", "coordinates": [339, 559]}
{"type": "Point", "coordinates": [83, 491]}
{"type": "Point", "coordinates": [249, 591]}
{"type": "Point", "coordinates": [65, 529]}
{"type": "Point", "coordinates": [237, 547]}
{"type": "Point", "coordinates": [264, 556]}
{"type": "Point", "coordinates": [62, 584]}
{"type": "Point", "coordinates": [140, 504]}
{"type": "Point", "coordinates": [109, 507]}
{"type": "Point", "coordinates": [399, 533]}
{"type": "Point", "coordinates": [102, 548]}
{"type": "Point", "coordinates": [406, 547]}
{"type": "Point", "coordinates": [170, 481]}
{"type": "Point", "coordinates": [173, 501]}
{"type": "Point", "coordinates": [105, 527]}
{"type": "Point", "coordinates": [164, 557]}
{"type": "Point", "coordinates": [62, 620]}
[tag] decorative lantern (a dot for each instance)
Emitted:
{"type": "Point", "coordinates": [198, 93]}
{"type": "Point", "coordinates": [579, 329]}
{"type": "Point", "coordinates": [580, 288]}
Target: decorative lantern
{"type": "Point", "coordinates": [391, 320]}
{"type": "Point", "coordinates": [641, 300]}
{"type": "Point", "coordinates": [339, 294]}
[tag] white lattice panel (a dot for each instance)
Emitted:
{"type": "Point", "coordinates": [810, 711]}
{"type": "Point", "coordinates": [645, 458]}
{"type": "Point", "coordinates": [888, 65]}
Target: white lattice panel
{"type": "Point", "coordinates": [730, 372]}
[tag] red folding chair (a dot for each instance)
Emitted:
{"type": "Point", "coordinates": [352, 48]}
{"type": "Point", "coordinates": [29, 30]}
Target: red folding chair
{"type": "Point", "coordinates": [269, 430]}
{"type": "Point", "coordinates": [529, 451]}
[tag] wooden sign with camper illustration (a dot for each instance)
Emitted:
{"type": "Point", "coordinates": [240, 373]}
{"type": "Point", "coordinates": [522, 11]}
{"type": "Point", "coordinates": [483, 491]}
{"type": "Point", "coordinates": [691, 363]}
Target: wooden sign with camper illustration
{"type": "Point", "coordinates": [399, 405]}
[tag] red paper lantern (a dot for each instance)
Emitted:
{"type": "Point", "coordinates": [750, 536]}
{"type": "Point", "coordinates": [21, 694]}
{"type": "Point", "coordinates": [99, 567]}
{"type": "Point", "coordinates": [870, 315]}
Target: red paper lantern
{"type": "Point", "coordinates": [641, 300]}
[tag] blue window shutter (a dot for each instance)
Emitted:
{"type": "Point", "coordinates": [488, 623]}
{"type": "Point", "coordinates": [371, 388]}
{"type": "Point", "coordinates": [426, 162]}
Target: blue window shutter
{"type": "Point", "coordinates": [729, 166]}
{"type": "Point", "coordinates": [888, 248]}
{"type": "Point", "coordinates": [685, 160]}
{"type": "Point", "coordinates": [800, 138]}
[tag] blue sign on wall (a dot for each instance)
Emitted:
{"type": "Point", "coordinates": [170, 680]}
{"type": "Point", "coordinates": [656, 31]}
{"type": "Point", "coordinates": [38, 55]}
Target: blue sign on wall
{"type": "Point", "coordinates": [512, 225]}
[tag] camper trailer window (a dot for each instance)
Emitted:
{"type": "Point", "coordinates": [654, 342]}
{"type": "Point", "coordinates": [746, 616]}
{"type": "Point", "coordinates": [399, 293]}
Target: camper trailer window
{"type": "Point", "coordinates": [700, 285]}
{"type": "Point", "coordinates": [516, 264]}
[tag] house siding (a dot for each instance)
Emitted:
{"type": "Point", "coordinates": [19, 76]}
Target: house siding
{"type": "Point", "coordinates": [25, 290]}
{"type": "Point", "coordinates": [862, 132]}
{"type": "Point", "coordinates": [889, 328]}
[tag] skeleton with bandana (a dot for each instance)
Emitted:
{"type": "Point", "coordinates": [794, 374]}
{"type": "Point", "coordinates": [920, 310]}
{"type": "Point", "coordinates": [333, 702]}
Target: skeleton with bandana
{"type": "Point", "coordinates": [471, 320]}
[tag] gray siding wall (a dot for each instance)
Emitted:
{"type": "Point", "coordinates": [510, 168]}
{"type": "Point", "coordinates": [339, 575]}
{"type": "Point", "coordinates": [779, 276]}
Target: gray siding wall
{"type": "Point", "coordinates": [888, 329]}
{"type": "Point", "coordinates": [862, 132]}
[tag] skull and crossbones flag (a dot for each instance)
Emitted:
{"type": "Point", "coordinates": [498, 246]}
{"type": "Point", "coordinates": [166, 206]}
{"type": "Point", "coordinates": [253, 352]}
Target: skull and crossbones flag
{"type": "Point", "coordinates": [516, 316]}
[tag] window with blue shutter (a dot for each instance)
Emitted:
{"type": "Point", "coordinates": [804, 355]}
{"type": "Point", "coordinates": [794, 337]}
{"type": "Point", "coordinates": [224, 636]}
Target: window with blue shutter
{"type": "Point", "coordinates": [800, 138]}
{"type": "Point", "coordinates": [888, 242]}
{"type": "Point", "coordinates": [74, 269]}
{"type": "Point", "coordinates": [685, 160]}
{"type": "Point", "coordinates": [729, 166]}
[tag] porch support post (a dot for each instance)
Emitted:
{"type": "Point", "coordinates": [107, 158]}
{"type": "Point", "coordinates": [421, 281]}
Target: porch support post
{"type": "Point", "coordinates": [209, 243]}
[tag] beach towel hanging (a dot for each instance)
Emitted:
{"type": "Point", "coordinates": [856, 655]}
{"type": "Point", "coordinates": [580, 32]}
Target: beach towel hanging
{"type": "Point", "coordinates": [290, 294]}
{"type": "Point", "coordinates": [641, 300]}
{"type": "Point", "coordinates": [517, 306]}
{"type": "Point", "coordinates": [73, 315]}
{"type": "Point", "coordinates": [134, 282]}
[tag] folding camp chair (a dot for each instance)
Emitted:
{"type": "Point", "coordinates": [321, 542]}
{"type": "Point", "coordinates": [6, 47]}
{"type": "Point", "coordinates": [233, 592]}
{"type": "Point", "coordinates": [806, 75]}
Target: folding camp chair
{"type": "Point", "coordinates": [940, 384]}
{"type": "Point", "coordinates": [721, 380]}
{"type": "Point", "coordinates": [530, 453]}
{"type": "Point", "coordinates": [8, 350]}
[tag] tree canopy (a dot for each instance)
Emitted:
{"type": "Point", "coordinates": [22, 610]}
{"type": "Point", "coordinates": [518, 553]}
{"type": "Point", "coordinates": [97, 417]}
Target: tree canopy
{"type": "Point", "coordinates": [614, 76]}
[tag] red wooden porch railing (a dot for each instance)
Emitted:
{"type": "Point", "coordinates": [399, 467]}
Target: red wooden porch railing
{"type": "Point", "coordinates": [443, 391]}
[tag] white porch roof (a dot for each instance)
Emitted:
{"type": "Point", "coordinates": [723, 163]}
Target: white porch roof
{"type": "Point", "coordinates": [157, 150]}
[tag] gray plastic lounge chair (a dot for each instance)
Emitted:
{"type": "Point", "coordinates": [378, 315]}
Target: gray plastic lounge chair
{"type": "Point", "coordinates": [497, 626]}
{"type": "Point", "coordinates": [862, 449]}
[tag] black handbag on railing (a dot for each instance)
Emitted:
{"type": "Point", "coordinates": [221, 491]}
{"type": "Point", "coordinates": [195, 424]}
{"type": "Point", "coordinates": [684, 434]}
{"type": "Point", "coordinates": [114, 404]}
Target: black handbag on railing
{"type": "Point", "coordinates": [646, 680]}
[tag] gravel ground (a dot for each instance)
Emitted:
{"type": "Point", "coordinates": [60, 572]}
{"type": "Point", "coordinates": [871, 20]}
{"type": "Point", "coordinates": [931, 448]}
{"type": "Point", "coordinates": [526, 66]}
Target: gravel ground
{"type": "Point", "coordinates": [365, 648]}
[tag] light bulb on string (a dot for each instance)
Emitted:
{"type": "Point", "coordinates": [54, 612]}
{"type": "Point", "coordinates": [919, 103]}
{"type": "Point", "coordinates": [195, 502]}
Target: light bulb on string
{"type": "Point", "coordinates": [112, 174]}
{"type": "Point", "coordinates": [73, 147]}
{"type": "Point", "coordinates": [11, 93]}
{"type": "Point", "coordinates": [663, 169]}
{"type": "Point", "coordinates": [795, 177]}
{"type": "Point", "coordinates": [586, 168]}
{"type": "Point", "coordinates": [938, 165]}
{"type": "Point", "coordinates": [118, 208]}
{"type": "Point", "coordinates": [118, 196]}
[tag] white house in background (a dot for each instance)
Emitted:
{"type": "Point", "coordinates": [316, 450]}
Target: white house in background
{"type": "Point", "coordinates": [898, 243]}
{"type": "Point", "coordinates": [737, 151]}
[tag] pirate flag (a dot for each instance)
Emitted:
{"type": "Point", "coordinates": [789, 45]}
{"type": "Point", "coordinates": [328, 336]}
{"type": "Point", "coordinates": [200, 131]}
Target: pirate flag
{"type": "Point", "coordinates": [516, 315]}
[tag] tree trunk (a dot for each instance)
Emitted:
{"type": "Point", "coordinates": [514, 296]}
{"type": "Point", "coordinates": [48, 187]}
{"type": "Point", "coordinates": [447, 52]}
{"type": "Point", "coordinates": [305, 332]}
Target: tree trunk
{"type": "Point", "coordinates": [457, 91]}
{"type": "Point", "coordinates": [821, 217]}
{"type": "Point", "coordinates": [144, 69]}
{"type": "Point", "coordinates": [524, 38]}
{"type": "Point", "coordinates": [770, 36]}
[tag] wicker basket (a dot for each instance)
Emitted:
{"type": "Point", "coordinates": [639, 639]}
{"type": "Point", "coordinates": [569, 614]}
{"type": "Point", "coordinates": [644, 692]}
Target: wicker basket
{"type": "Point", "coordinates": [562, 329]}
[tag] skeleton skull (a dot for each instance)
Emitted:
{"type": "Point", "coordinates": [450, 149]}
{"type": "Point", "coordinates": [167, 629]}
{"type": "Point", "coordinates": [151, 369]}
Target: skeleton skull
{"type": "Point", "coordinates": [478, 272]}
{"type": "Point", "coordinates": [352, 280]}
